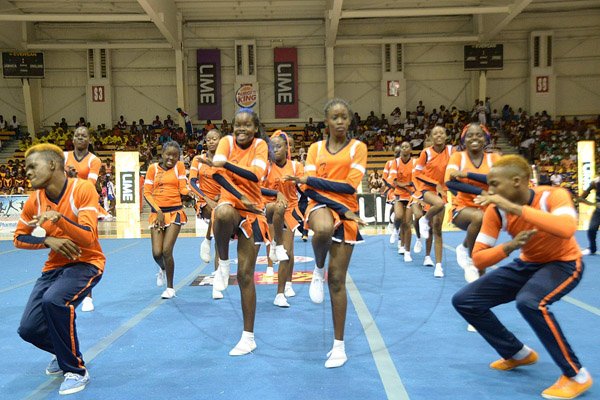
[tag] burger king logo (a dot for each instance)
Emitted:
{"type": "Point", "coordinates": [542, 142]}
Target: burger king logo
{"type": "Point", "coordinates": [246, 96]}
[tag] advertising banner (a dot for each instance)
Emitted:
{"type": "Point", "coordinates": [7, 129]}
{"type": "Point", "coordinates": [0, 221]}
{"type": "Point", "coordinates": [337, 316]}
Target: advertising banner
{"type": "Point", "coordinates": [286, 82]}
{"type": "Point", "coordinates": [209, 84]}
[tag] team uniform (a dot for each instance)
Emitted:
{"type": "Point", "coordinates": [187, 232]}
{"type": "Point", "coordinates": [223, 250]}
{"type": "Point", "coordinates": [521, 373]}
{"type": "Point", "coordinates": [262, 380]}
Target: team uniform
{"type": "Point", "coordinates": [202, 182]}
{"type": "Point", "coordinates": [548, 268]}
{"type": "Point", "coordinates": [460, 161]}
{"type": "Point", "coordinates": [87, 168]}
{"type": "Point", "coordinates": [163, 190]}
{"type": "Point", "coordinates": [48, 321]}
{"type": "Point", "coordinates": [332, 180]}
{"type": "Point", "coordinates": [430, 169]}
{"type": "Point", "coordinates": [401, 172]}
{"type": "Point", "coordinates": [293, 218]}
{"type": "Point", "coordinates": [246, 166]}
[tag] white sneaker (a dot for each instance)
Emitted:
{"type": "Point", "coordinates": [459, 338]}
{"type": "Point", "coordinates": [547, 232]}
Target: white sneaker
{"type": "Point", "coordinates": [316, 285]}
{"type": "Point", "coordinates": [244, 346]}
{"type": "Point", "coordinates": [424, 228]}
{"type": "Point", "coordinates": [272, 252]}
{"type": "Point", "coordinates": [289, 291]}
{"type": "Point", "coordinates": [407, 257]}
{"type": "Point", "coordinates": [462, 256]}
{"type": "Point", "coordinates": [169, 293]}
{"type": "Point", "coordinates": [280, 301]}
{"type": "Point", "coordinates": [390, 227]}
{"type": "Point", "coordinates": [87, 304]}
{"type": "Point", "coordinates": [269, 273]}
{"type": "Point", "coordinates": [205, 250]}
{"type": "Point", "coordinates": [216, 295]}
{"type": "Point", "coordinates": [587, 252]}
{"type": "Point", "coordinates": [221, 280]}
{"type": "Point", "coordinates": [418, 246]}
{"type": "Point", "coordinates": [394, 236]}
{"type": "Point", "coordinates": [336, 358]}
{"type": "Point", "coordinates": [471, 273]}
{"type": "Point", "coordinates": [401, 250]}
{"type": "Point", "coordinates": [438, 272]}
{"type": "Point", "coordinates": [160, 277]}
{"type": "Point", "coordinates": [471, 328]}
{"type": "Point", "coordinates": [428, 262]}
{"type": "Point", "coordinates": [281, 253]}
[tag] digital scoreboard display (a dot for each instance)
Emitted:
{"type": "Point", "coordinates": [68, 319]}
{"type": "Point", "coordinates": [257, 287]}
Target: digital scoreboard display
{"type": "Point", "coordinates": [484, 57]}
{"type": "Point", "coordinates": [22, 64]}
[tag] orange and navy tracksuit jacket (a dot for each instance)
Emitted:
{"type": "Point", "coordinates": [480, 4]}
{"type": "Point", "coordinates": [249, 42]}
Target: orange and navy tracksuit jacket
{"type": "Point", "coordinates": [87, 168]}
{"type": "Point", "coordinates": [548, 268]}
{"type": "Point", "coordinates": [401, 172]}
{"type": "Point", "coordinates": [163, 190]}
{"type": "Point", "coordinates": [430, 169]}
{"type": "Point", "coordinates": [468, 188]}
{"type": "Point", "coordinates": [241, 176]}
{"type": "Point", "coordinates": [77, 204]}
{"type": "Point", "coordinates": [332, 180]}
{"type": "Point", "coordinates": [274, 183]}
{"type": "Point", "coordinates": [202, 182]}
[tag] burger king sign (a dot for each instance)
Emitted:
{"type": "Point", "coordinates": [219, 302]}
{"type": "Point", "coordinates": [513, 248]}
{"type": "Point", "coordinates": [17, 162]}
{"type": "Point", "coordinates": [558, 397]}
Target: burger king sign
{"type": "Point", "coordinates": [246, 96]}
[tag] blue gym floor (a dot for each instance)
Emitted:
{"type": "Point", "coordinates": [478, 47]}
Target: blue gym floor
{"type": "Point", "coordinates": [403, 338]}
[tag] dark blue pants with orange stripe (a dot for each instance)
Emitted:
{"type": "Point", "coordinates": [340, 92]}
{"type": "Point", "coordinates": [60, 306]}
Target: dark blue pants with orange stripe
{"type": "Point", "coordinates": [534, 287]}
{"type": "Point", "coordinates": [48, 321]}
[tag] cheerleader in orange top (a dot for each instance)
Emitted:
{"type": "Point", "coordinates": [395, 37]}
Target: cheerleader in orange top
{"type": "Point", "coordinates": [80, 163]}
{"type": "Point", "coordinates": [429, 184]}
{"type": "Point", "coordinates": [61, 215]}
{"type": "Point", "coordinates": [390, 196]}
{"type": "Point", "coordinates": [282, 210]}
{"type": "Point", "coordinates": [242, 162]}
{"type": "Point", "coordinates": [208, 190]}
{"type": "Point", "coordinates": [466, 174]}
{"type": "Point", "coordinates": [164, 185]}
{"type": "Point", "coordinates": [542, 222]}
{"type": "Point", "coordinates": [334, 169]}
{"type": "Point", "coordinates": [400, 179]}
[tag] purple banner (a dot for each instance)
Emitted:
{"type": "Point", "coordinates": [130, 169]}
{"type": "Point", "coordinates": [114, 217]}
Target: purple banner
{"type": "Point", "coordinates": [209, 84]}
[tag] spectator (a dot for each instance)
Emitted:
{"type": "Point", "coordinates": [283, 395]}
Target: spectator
{"type": "Point", "coordinates": [63, 124]}
{"type": "Point", "coordinates": [156, 124]}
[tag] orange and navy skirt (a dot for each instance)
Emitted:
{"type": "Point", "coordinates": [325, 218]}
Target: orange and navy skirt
{"type": "Point", "coordinates": [253, 226]}
{"type": "Point", "coordinates": [173, 215]}
{"type": "Point", "coordinates": [345, 231]}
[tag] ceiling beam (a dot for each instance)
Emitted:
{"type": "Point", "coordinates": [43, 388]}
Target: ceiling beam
{"type": "Point", "coordinates": [163, 14]}
{"type": "Point", "coordinates": [98, 45]}
{"type": "Point", "coordinates": [423, 12]}
{"type": "Point", "coordinates": [71, 18]}
{"type": "Point", "coordinates": [515, 9]}
{"type": "Point", "coordinates": [407, 39]}
{"type": "Point", "coordinates": [333, 21]}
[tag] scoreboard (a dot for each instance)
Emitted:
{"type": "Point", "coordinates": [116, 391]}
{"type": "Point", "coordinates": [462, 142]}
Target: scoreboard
{"type": "Point", "coordinates": [484, 57]}
{"type": "Point", "coordinates": [22, 64]}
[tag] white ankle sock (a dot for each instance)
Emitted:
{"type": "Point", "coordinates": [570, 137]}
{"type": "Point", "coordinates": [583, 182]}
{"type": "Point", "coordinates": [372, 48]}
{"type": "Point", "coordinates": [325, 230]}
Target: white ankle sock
{"type": "Point", "coordinates": [248, 335]}
{"type": "Point", "coordinates": [521, 354]}
{"type": "Point", "coordinates": [320, 271]}
{"type": "Point", "coordinates": [338, 344]}
{"type": "Point", "coordinates": [582, 376]}
{"type": "Point", "coordinates": [224, 263]}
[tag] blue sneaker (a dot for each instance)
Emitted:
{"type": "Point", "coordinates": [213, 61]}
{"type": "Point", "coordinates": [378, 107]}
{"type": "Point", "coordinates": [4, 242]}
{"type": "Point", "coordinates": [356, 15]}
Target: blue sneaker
{"type": "Point", "coordinates": [53, 368]}
{"type": "Point", "coordinates": [74, 383]}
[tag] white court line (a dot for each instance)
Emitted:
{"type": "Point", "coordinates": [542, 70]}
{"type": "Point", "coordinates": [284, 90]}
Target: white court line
{"type": "Point", "coordinates": [394, 388]}
{"type": "Point", "coordinates": [49, 385]}
{"type": "Point", "coordinates": [568, 299]}
{"type": "Point", "coordinates": [9, 251]}
{"type": "Point", "coordinates": [29, 282]}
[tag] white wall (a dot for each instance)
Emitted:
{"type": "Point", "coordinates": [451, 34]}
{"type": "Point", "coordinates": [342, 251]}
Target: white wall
{"type": "Point", "coordinates": [144, 80]}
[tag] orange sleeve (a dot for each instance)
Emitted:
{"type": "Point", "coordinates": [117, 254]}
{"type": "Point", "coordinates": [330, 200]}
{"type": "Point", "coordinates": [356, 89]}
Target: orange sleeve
{"type": "Point", "coordinates": [299, 170]}
{"type": "Point", "coordinates": [182, 179]}
{"type": "Point", "coordinates": [389, 173]}
{"type": "Point", "coordinates": [194, 168]}
{"type": "Point", "coordinates": [359, 166]}
{"type": "Point", "coordinates": [94, 170]}
{"type": "Point", "coordinates": [453, 165]}
{"type": "Point", "coordinates": [149, 187]}
{"type": "Point", "coordinates": [84, 231]}
{"type": "Point", "coordinates": [421, 161]}
{"type": "Point", "coordinates": [223, 149]}
{"type": "Point", "coordinates": [22, 238]}
{"type": "Point", "coordinates": [485, 251]}
{"type": "Point", "coordinates": [561, 218]}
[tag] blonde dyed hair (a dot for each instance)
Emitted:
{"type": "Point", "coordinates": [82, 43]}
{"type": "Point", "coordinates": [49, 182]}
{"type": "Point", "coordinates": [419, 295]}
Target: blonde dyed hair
{"type": "Point", "coordinates": [50, 150]}
{"type": "Point", "coordinates": [515, 163]}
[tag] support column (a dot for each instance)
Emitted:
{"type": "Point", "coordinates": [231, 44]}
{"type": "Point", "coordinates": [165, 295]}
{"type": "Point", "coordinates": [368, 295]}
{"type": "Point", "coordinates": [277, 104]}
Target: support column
{"type": "Point", "coordinates": [482, 85]}
{"type": "Point", "coordinates": [32, 96]}
{"type": "Point", "coordinates": [393, 83]}
{"type": "Point", "coordinates": [180, 82]}
{"type": "Point", "coordinates": [329, 65]}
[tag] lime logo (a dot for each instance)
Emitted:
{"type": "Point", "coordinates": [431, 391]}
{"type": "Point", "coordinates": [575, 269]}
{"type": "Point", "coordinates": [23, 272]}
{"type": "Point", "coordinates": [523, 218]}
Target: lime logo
{"type": "Point", "coordinates": [246, 96]}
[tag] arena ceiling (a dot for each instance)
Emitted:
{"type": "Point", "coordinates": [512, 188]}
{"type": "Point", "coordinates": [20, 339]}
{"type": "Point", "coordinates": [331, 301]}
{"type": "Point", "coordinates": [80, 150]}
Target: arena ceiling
{"type": "Point", "coordinates": [489, 17]}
